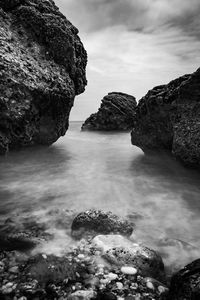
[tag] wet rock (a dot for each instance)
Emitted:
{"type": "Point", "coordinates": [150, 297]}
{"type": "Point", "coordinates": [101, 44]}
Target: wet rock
{"type": "Point", "coordinates": [42, 68]}
{"type": "Point", "coordinates": [167, 118]}
{"type": "Point", "coordinates": [82, 295]}
{"type": "Point", "coordinates": [122, 252]}
{"type": "Point", "coordinates": [185, 284]}
{"type": "Point", "coordinates": [18, 241]}
{"type": "Point", "coordinates": [100, 222]}
{"type": "Point", "coordinates": [117, 112]}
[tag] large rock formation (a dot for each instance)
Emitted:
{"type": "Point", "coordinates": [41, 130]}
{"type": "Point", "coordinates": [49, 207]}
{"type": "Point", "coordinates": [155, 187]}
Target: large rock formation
{"type": "Point", "coordinates": [168, 118]}
{"type": "Point", "coordinates": [116, 112]}
{"type": "Point", "coordinates": [42, 68]}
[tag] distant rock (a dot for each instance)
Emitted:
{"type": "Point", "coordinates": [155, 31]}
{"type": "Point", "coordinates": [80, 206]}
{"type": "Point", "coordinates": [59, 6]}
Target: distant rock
{"type": "Point", "coordinates": [168, 118]}
{"type": "Point", "coordinates": [42, 68]}
{"type": "Point", "coordinates": [116, 112]}
{"type": "Point", "coordinates": [100, 222]}
{"type": "Point", "coordinates": [185, 284]}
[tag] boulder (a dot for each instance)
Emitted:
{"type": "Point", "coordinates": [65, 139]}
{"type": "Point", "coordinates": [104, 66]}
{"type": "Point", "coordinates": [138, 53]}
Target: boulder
{"type": "Point", "coordinates": [122, 252]}
{"type": "Point", "coordinates": [185, 284]}
{"type": "Point", "coordinates": [116, 112]}
{"type": "Point", "coordinates": [42, 68]}
{"type": "Point", "coordinates": [168, 118]}
{"type": "Point", "coordinates": [97, 221]}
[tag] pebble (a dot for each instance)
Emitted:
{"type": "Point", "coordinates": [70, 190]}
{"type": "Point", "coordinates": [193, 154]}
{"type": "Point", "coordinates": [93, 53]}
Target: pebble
{"type": "Point", "coordinates": [162, 289]}
{"type": "Point", "coordinates": [129, 270]}
{"type": "Point", "coordinates": [112, 276]}
{"type": "Point", "coordinates": [119, 285]}
{"type": "Point", "coordinates": [150, 285]}
{"type": "Point", "coordinates": [81, 256]}
{"type": "Point", "coordinates": [14, 270]}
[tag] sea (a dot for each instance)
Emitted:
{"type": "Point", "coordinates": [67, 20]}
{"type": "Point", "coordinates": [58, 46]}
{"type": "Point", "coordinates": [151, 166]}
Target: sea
{"type": "Point", "coordinates": [103, 170]}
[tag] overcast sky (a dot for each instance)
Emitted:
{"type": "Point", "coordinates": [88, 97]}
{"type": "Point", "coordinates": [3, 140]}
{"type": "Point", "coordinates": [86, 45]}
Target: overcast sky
{"type": "Point", "coordinates": [133, 45]}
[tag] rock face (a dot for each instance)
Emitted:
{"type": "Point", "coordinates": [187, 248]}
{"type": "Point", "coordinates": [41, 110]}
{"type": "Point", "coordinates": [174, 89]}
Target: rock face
{"type": "Point", "coordinates": [42, 68]}
{"type": "Point", "coordinates": [168, 118]}
{"type": "Point", "coordinates": [100, 222]}
{"type": "Point", "coordinates": [116, 112]}
{"type": "Point", "coordinates": [186, 283]}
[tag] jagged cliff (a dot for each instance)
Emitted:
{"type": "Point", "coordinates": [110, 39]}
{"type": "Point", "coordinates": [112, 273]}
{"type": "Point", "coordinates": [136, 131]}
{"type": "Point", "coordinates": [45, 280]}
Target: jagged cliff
{"type": "Point", "coordinates": [116, 112]}
{"type": "Point", "coordinates": [42, 68]}
{"type": "Point", "coordinates": [168, 118]}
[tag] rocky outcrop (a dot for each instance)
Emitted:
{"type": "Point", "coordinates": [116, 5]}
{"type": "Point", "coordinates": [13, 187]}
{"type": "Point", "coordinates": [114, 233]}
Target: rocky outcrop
{"type": "Point", "coordinates": [100, 222]}
{"type": "Point", "coordinates": [185, 284]}
{"type": "Point", "coordinates": [168, 118]}
{"type": "Point", "coordinates": [116, 112]}
{"type": "Point", "coordinates": [42, 68]}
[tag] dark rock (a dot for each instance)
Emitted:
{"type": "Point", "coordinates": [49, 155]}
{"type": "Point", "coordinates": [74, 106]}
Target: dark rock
{"type": "Point", "coordinates": [185, 284]}
{"type": "Point", "coordinates": [18, 241]}
{"type": "Point", "coordinates": [100, 222]}
{"type": "Point", "coordinates": [168, 118]}
{"type": "Point", "coordinates": [116, 112]}
{"type": "Point", "coordinates": [42, 68]}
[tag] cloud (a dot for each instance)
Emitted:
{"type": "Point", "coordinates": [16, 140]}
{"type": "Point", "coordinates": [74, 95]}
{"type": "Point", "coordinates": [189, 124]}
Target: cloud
{"type": "Point", "coordinates": [142, 15]}
{"type": "Point", "coordinates": [133, 45]}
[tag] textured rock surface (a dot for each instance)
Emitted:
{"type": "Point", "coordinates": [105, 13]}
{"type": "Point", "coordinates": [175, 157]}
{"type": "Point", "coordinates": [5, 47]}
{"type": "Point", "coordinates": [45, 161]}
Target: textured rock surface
{"type": "Point", "coordinates": [168, 118]}
{"type": "Point", "coordinates": [120, 251]}
{"type": "Point", "coordinates": [100, 222]}
{"type": "Point", "coordinates": [42, 68]}
{"type": "Point", "coordinates": [116, 112]}
{"type": "Point", "coordinates": [186, 283]}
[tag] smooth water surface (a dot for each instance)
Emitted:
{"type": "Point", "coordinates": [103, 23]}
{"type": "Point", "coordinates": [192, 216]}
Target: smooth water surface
{"type": "Point", "coordinates": [87, 170]}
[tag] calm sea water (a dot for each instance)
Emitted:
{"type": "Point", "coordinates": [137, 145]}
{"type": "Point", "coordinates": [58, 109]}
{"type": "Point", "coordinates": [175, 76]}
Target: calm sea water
{"type": "Point", "coordinates": [87, 170]}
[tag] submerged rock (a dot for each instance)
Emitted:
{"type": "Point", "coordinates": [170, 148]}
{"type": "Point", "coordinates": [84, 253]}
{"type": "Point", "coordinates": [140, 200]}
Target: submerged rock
{"type": "Point", "coordinates": [100, 222]}
{"type": "Point", "coordinates": [168, 118]}
{"type": "Point", "coordinates": [185, 284]}
{"type": "Point", "coordinates": [42, 68]}
{"type": "Point", "coordinates": [116, 112]}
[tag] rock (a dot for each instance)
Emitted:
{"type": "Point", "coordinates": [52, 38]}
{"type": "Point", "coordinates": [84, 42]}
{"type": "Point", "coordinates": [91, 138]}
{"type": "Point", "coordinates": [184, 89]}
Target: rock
{"type": "Point", "coordinates": [42, 68]}
{"type": "Point", "coordinates": [120, 251]}
{"type": "Point", "coordinates": [116, 112]}
{"type": "Point", "coordinates": [168, 118]}
{"type": "Point", "coordinates": [82, 295]}
{"type": "Point", "coordinates": [185, 284]}
{"type": "Point", "coordinates": [129, 270]}
{"type": "Point", "coordinates": [17, 241]}
{"type": "Point", "coordinates": [100, 222]}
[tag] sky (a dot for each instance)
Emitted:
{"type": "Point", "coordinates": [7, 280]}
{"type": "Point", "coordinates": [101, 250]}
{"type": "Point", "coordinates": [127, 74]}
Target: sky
{"type": "Point", "coordinates": [133, 45]}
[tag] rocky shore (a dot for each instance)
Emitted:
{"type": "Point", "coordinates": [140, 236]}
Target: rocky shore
{"type": "Point", "coordinates": [42, 68]}
{"type": "Point", "coordinates": [102, 264]}
{"type": "Point", "coordinates": [116, 112]}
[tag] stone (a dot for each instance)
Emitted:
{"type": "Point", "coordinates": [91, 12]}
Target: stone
{"type": "Point", "coordinates": [42, 69]}
{"type": "Point", "coordinates": [116, 112]}
{"type": "Point", "coordinates": [168, 119]}
{"type": "Point", "coordinates": [129, 270]}
{"type": "Point", "coordinates": [17, 241]}
{"type": "Point", "coordinates": [82, 295]}
{"type": "Point", "coordinates": [120, 251]}
{"type": "Point", "coordinates": [185, 284]}
{"type": "Point", "coordinates": [100, 222]}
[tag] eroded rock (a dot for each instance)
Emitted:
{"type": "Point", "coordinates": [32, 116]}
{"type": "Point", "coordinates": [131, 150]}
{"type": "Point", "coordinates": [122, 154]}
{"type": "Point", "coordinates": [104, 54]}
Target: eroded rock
{"type": "Point", "coordinates": [42, 68]}
{"type": "Point", "coordinates": [100, 222]}
{"type": "Point", "coordinates": [185, 284]}
{"type": "Point", "coordinates": [168, 118]}
{"type": "Point", "coordinates": [116, 112]}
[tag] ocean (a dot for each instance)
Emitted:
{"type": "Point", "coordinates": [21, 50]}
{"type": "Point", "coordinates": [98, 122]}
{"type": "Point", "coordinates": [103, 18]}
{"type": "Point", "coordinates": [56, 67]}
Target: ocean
{"type": "Point", "coordinates": [102, 170]}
